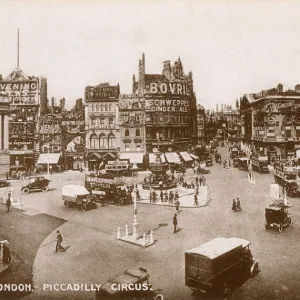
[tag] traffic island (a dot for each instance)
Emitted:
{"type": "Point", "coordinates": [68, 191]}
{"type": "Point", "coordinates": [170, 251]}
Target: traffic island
{"type": "Point", "coordinates": [145, 240]}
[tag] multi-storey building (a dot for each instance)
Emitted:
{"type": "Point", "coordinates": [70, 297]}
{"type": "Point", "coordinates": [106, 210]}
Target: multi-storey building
{"type": "Point", "coordinates": [170, 107]}
{"type": "Point", "coordinates": [102, 129]}
{"type": "Point", "coordinates": [271, 123]}
{"type": "Point", "coordinates": [201, 118]}
{"type": "Point", "coordinates": [24, 95]}
{"type": "Point", "coordinates": [132, 128]}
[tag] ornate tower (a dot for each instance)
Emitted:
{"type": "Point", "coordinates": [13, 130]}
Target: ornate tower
{"type": "Point", "coordinates": [141, 86]}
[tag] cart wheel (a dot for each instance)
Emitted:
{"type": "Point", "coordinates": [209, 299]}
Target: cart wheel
{"type": "Point", "coordinates": [84, 207]}
{"type": "Point", "coordinates": [255, 270]}
{"type": "Point", "coordinates": [67, 204]}
{"type": "Point", "coordinates": [121, 202]}
{"type": "Point", "coordinates": [280, 228]}
{"type": "Point", "coordinates": [289, 222]}
{"type": "Point", "coordinates": [25, 191]}
{"type": "Point", "coordinates": [226, 290]}
{"type": "Point", "coordinates": [44, 189]}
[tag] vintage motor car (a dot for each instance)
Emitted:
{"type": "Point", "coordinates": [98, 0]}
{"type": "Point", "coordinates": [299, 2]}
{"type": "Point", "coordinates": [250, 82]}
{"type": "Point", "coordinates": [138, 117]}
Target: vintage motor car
{"type": "Point", "coordinates": [278, 215]}
{"type": "Point", "coordinates": [128, 285]}
{"type": "Point", "coordinates": [4, 183]}
{"type": "Point", "coordinates": [36, 184]}
{"type": "Point", "coordinates": [219, 266]}
{"type": "Point", "coordinates": [77, 196]}
{"type": "Point", "coordinates": [241, 163]}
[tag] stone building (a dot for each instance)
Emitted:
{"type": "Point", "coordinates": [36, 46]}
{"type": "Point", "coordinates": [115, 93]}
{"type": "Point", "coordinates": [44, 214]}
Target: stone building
{"type": "Point", "coordinates": [271, 122]}
{"type": "Point", "coordinates": [201, 118]}
{"type": "Point", "coordinates": [102, 129]}
{"type": "Point", "coordinates": [170, 107]}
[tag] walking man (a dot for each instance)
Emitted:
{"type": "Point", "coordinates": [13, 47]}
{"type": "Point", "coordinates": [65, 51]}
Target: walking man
{"type": "Point", "coordinates": [238, 204]}
{"type": "Point", "coordinates": [175, 222]}
{"type": "Point", "coordinates": [8, 201]}
{"type": "Point", "coordinates": [59, 239]}
{"type": "Point", "coordinates": [195, 200]}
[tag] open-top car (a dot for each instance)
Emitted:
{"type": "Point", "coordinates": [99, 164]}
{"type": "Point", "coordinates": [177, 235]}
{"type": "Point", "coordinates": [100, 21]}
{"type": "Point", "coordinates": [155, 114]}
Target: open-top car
{"type": "Point", "coordinates": [4, 183]}
{"type": "Point", "coordinates": [278, 215]}
{"type": "Point", "coordinates": [36, 184]}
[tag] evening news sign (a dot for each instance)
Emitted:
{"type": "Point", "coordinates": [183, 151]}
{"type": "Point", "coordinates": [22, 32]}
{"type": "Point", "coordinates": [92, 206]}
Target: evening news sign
{"type": "Point", "coordinates": [98, 93]}
{"type": "Point", "coordinates": [25, 92]}
{"type": "Point", "coordinates": [167, 105]}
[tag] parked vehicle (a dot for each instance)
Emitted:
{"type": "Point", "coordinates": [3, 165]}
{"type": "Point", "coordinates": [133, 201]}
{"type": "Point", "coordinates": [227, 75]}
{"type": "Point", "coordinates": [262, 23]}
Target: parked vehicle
{"type": "Point", "coordinates": [36, 184]}
{"type": "Point", "coordinates": [260, 163]}
{"type": "Point", "coordinates": [107, 188]}
{"type": "Point", "coordinates": [136, 282]}
{"type": "Point", "coordinates": [77, 196]}
{"type": "Point", "coordinates": [241, 163]}
{"type": "Point", "coordinates": [288, 178]}
{"type": "Point", "coordinates": [4, 183]}
{"type": "Point", "coordinates": [278, 215]}
{"type": "Point", "coordinates": [218, 266]}
{"type": "Point", "coordinates": [208, 161]}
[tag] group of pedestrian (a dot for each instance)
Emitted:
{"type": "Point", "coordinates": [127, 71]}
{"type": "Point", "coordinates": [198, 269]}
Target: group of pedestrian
{"type": "Point", "coordinates": [236, 205]}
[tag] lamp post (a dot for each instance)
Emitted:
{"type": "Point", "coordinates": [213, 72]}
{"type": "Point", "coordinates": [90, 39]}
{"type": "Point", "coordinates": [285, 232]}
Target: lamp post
{"type": "Point", "coordinates": [135, 222]}
{"type": "Point", "coordinates": [48, 166]}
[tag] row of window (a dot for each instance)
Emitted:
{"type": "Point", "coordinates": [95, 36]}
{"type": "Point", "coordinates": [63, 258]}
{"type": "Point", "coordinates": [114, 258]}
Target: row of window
{"type": "Point", "coordinates": [169, 119]}
{"type": "Point", "coordinates": [102, 121]}
{"type": "Point", "coordinates": [137, 132]}
{"type": "Point", "coordinates": [103, 141]}
{"type": "Point", "coordinates": [170, 133]}
{"type": "Point", "coordinates": [288, 133]}
{"type": "Point", "coordinates": [103, 107]}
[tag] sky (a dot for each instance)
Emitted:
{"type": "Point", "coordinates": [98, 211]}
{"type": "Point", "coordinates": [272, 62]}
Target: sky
{"type": "Point", "coordinates": [232, 47]}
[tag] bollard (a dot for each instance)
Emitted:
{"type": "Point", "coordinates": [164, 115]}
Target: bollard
{"type": "Point", "coordinates": [144, 240]}
{"type": "Point", "coordinates": [151, 237]}
{"type": "Point", "coordinates": [126, 230]}
{"type": "Point", "coordinates": [119, 233]}
{"type": "Point", "coordinates": [135, 231]}
{"type": "Point", "coordinates": [254, 180]}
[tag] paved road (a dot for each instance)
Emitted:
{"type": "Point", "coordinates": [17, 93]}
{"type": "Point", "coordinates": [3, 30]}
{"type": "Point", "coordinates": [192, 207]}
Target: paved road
{"type": "Point", "coordinates": [95, 254]}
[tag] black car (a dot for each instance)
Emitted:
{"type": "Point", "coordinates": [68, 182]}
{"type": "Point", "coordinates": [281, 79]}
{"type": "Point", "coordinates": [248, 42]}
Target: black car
{"type": "Point", "coordinates": [4, 183]}
{"type": "Point", "coordinates": [36, 184]}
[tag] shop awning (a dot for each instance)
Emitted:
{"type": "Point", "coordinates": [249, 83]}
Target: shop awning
{"type": "Point", "coordinates": [152, 158]}
{"type": "Point", "coordinates": [48, 158]}
{"type": "Point", "coordinates": [185, 156]}
{"type": "Point", "coordinates": [193, 156]}
{"type": "Point", "coordinates": [95, 154]}
{"type": "Point", "coordinates": [134, 157]}
{"type": "Point", "coordinates": [110, 154]}
{"type": "Point", "coordinates": [172, 157]}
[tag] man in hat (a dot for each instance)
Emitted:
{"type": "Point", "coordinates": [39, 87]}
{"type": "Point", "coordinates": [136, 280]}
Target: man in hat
{"type": "Point", "coordinates": [59, 239]}
{"type": "Point", "coordinates": [8, 201]}
{"type": "Point", "coordinates": [175, 222]}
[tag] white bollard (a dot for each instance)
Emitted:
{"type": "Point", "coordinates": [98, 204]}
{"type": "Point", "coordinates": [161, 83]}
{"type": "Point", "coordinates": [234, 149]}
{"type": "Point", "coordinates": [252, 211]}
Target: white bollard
{"type": "Point", "coordinates": [119, 233]}
{"type": "Point", "coordinates": [126, 230]}
{"type": "Point", "coordinates": [151, 237]}
{"type": "Point", "coordinates": [135, 231]}
{"type": "Point", "coordinates": [144, 239]}
{"type": "Point", "coordinates": [254, 180]}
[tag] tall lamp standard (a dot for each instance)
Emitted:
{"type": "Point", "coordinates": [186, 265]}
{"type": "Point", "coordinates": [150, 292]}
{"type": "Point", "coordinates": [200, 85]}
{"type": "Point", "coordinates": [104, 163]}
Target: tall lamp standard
{"type": "Point", "coordinates": [135, 222]}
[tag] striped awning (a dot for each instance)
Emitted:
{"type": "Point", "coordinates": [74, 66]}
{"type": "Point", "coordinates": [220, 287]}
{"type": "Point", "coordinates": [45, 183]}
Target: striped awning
{"type": "Point", "coordinates": [48, 158]}
{"type": "Point", "coordinates": [172, 157]}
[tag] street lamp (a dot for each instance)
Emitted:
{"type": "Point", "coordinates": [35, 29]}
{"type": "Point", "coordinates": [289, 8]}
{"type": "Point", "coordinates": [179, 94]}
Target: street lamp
{"type": "Point", "coordinates": [135, 222]}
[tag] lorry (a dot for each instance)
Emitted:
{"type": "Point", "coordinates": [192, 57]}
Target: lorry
{"type": "Point", "coordinates": [220, 265]}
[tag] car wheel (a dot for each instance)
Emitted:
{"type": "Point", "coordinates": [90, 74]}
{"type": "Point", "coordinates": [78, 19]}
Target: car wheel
{"type": "Point", "coordinates": [44, 189]}
{"type": "Point", "coordinates": [121, 202]}
{"type": "Point", "coordinates": [25, 191]}
{"type": "Point", "coordinates": [280, 228]}
{"type": "Point", "coordinates": [67, 204]}
{"type": "Point", "coordinates": [84, 207]}
{"type": "Point", "coordinates": [255, 270]}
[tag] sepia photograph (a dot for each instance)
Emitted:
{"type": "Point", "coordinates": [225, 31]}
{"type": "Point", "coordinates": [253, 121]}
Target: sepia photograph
{"type": "Point", "coordinates": [149, 150]}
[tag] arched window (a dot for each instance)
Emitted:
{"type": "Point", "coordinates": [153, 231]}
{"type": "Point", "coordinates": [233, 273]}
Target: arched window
{"type": "Point", "coordinates": [93, 141]}
{"type": "Point", "coordinates": [102, 141]}
{"type": "Point", "coordinates": [111, 141]}
{"type": "Point", "coordinates": [126, 132]}
{"type": "Point", "coordinates": [137, 132]}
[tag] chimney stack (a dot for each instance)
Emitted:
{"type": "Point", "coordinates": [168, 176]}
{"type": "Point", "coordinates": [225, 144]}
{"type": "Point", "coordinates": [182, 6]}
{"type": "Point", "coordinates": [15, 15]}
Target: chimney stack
{"type": "Point", "coordinates": [52, 105]}
{"type": "Point", "coordinates": [221, 107]}
{"type": "Point", "coordinates": [167, 69]}
{"type": "Point", "coordinates": [217, 107]}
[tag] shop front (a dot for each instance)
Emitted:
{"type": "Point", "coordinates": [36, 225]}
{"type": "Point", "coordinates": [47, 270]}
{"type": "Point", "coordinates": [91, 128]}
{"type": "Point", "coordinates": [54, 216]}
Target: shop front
{"type": "Point", "coordinates": [74, 161]}
{"type": "Point", "coordinates": [21, 161]}
{"type": "Point", "coordinates": [94, 159]}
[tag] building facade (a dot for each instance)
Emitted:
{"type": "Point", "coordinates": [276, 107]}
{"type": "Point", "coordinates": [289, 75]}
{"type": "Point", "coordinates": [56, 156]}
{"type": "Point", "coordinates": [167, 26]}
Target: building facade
{"type": "Point", "coordinates": [132, 123]}
{"type": "Point", "coordinates": [170, 107]}
{"type": "Point", "coordinates": [271, 122]}
{"type": "Point", "coordinates": [201, 118]}
{"type": "Point", "coordinates": [24, 94]}
{"type": "Point", "coordinates": [102, 129]}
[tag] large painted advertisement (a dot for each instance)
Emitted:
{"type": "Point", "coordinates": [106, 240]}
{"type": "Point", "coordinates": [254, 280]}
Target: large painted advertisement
{"type": "Point", "coordinates": [21, 92]}
{"type": "Point", "coordinates": [73, 140]}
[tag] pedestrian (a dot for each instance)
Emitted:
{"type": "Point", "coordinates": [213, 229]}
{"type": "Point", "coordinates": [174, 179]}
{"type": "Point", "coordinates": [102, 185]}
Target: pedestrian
{"type": "Point", "coordinates": [8, 201]}
{"type": "Point", "coordinates": [177, 203]}
{"type": "Point", "coordinates": [50, 169]}
{"type": "Point", "coordinates": [171, 197]}
{"type": "Point", "coordinates": [59, 239]}
{"type": "Point", "coordinates": [175, 222]}
{"type": "Point", "coordinates": [6, 258]}
{"type": "Point", "coordinates": [203, 180]}
{"type": "Point", "coordinates": [137, 194]}
{"type": "Point", "coordinates": [176, 196]}
{"type": "Point", "coordinates": [166, 196]}
{"type": "Point", "coordinates": [195, 200]}
{"type": "Point", "coordinates": [200, 180]}
{"type": "Point", "coordinates": [81, 169]}
{"type": "Point", "coordinates": [161, 196]}
{"type": "Point", "coordinates": [233, 205]}
{"type": "Point", "coordinates": [238, 204]}
{"type": "Point", "coordinates": [154, 196]}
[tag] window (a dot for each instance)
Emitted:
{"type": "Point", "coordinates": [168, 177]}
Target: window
{"type": "Point", "coordinates": [106, 107]}
{"type": "Point", "coordinates": [102, 107]}
{"type": "Point", "coordinates": [111, 141]}
{"type": "Point", "coordinates": [138, 147]}
{"type": "Point", "coordinates": [97, 107]}
{"type": "Point", "coordinates": [92, 107]}
{"type": "Point", "coordinates": [93, 141]}
{"type": "Point", "coordinates": [102, 121]}
{"type": "Point", "coordinates": [102, 141]}
{"type": "Point", "coordinates": [126, 132]}
{"type": "Point", "coordinates": [137, 132]}
{"type": "Point", "coordinates": [160, 118]}
{"type": "Point", "coordinates": [298, 133]}
{"type": "Point", "coordinates": [110, 120]}
{"type": "Point", "coordinates": [93, 122]}
{"type": "Point", "coordinates": [110, 107]}
{"type": "Point", "coordinates": [288, 133]}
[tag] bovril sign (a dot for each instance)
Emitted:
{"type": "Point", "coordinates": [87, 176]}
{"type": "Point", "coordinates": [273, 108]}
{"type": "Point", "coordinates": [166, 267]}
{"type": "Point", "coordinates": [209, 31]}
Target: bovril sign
{"type": "Point", "coordinates": [173, 88]}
